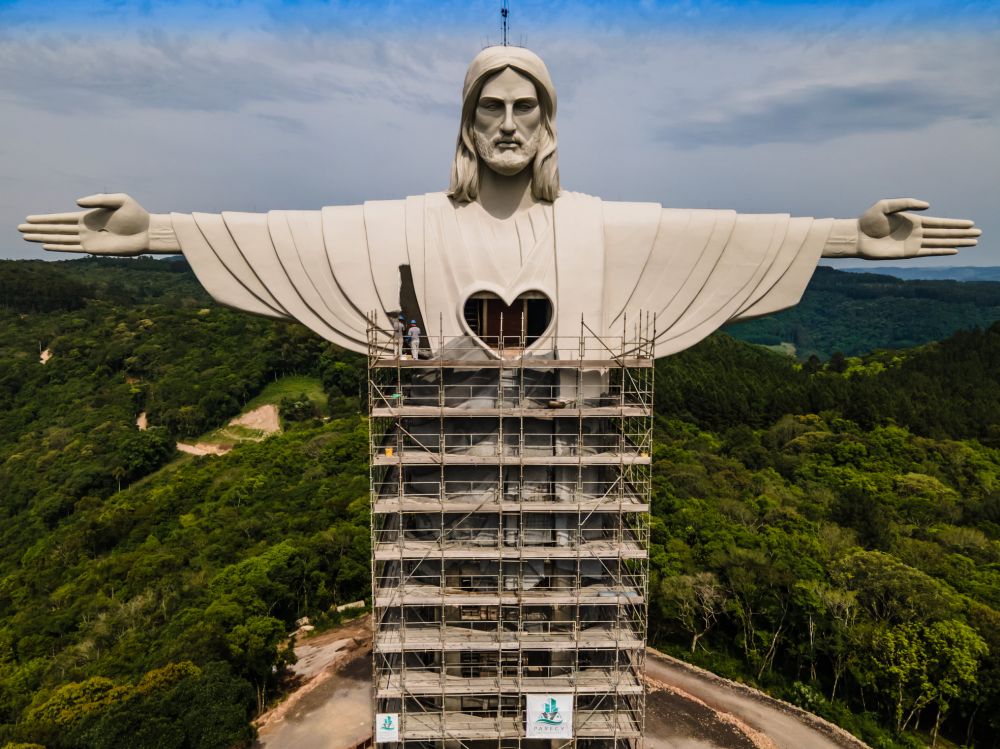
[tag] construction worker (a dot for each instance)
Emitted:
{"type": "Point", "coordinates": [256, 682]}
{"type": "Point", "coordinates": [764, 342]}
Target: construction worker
{"type": "Point", "coordinates": [414, 335]}
{"type": "Point", "coordinates": [398, 326]}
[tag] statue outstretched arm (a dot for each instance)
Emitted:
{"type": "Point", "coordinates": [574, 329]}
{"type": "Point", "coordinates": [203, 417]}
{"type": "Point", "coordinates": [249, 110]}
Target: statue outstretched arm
{"type": "Point", "coordinates": [312, 266]}
{"type": "Point", "coordinates": [889, 231]}
{"type": "Point", "coordinates": [113, 224]}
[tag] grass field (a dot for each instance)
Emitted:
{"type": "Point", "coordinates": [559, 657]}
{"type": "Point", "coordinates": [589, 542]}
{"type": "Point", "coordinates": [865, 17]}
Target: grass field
{"type": "Point", "coordinates": [290, 387]}
{"type": "Point", "coordinates": [787, 348]}
{"type": "Point", "coordinates": [285, 387]}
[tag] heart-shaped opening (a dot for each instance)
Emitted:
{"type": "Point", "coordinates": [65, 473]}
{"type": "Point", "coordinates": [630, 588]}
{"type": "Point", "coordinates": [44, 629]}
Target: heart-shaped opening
{"type": "Point", "coordinates": [511, 327]}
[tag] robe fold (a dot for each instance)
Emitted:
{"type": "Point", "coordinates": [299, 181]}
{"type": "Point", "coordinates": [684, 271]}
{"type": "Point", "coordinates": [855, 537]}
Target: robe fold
{"type": "Point", "coordinates": [603, 266]}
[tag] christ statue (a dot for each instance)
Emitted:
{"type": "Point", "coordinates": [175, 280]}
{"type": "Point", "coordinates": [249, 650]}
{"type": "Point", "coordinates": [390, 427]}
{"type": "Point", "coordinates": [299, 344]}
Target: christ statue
{"type": "Point", "coordinates": [504, 231]}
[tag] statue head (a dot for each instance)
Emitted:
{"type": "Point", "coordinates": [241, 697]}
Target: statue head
{"type": "Point", "coordinates": [500, 129]}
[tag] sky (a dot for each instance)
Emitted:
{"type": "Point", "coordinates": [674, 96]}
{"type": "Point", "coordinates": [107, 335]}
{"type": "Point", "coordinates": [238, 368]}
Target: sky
{"type": "Point", "coordinates": [774, 106]}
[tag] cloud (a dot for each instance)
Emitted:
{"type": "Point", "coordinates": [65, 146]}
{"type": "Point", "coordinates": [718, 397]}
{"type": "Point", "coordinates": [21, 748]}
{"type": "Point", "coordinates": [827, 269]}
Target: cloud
{"type": "Point", "coordinates": [70, 73]}
{"type": "Point", "coordinates": [818, 113]}
{"type": "Point", "coordinates": [285, 115]}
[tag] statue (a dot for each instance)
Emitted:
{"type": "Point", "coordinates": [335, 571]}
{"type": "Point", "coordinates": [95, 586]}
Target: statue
{"type": "Point", "coordinates": [505, 231]}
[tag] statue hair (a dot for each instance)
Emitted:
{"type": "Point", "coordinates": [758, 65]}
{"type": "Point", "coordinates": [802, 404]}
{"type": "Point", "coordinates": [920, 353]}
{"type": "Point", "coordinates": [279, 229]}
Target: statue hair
{"type": "Point", "coordinates": [464, 186]}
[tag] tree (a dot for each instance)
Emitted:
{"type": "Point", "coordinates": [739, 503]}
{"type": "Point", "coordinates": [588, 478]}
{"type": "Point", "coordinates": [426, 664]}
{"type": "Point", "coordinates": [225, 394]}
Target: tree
{"type": "Point", "coordinates": [260, 650]}
{"type": "Point", "coordinates": [696, 601]}
{"type": "Point", "coordinates": [953, 653]}
{"type": "Point", "coordinates": [921, 664]}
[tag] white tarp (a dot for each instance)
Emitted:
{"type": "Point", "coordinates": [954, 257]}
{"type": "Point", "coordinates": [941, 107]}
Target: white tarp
{"type": "Point", "coordinates": [386, 727]}
{"type": "Point", "coordinates": [549, 716]}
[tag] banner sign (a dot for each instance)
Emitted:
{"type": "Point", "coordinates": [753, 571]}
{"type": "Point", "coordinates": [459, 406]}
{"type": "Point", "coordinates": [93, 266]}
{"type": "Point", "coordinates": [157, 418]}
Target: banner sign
{"type": "Point", "coordinates": [549, 716]}
{"type": "Point", "coordinates": [386, 727]}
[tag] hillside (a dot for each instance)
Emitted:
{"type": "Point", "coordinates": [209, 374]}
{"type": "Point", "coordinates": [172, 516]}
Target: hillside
{"type": "Point", "coordinates": [856, 313]}
{"type": "Point", "coordinates": [933, 273]}
{"type": "Point", "coordinates": [830, 533]}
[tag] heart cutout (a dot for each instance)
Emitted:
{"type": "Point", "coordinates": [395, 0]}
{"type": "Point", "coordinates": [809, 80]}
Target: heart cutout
{"type": "Point", "coordinates": [509, 326]}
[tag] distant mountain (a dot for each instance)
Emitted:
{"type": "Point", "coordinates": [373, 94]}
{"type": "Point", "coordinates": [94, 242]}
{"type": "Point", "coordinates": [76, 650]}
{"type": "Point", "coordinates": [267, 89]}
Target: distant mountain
{"type": "Point", "coordinates": [856, 313]}
{"type": "Point", "coordinates": [958, 273]}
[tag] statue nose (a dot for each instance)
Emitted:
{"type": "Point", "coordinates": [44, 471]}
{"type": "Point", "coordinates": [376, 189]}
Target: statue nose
{"type": "Point", "coordinates": [508, 126]}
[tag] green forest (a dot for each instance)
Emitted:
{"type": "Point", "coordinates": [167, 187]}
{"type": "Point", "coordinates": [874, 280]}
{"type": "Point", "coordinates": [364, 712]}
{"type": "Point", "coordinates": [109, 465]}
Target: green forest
{"type": "Point", "coordinates": [826, 528]}
{"type": "Point", "coordinates": [855, 313]}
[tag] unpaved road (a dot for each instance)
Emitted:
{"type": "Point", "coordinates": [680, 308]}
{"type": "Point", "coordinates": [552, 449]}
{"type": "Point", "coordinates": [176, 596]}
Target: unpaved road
{"type": "Point", "coordinates": [202, 448]}
{"type": "Point", "coordinates": [765, 722]}
{"type": "Point", "coordinates": [265, 418]}
{"type": "Point", "coordinates": [332, 709]}
{"type": "Point", "coordinates": [686, 708]}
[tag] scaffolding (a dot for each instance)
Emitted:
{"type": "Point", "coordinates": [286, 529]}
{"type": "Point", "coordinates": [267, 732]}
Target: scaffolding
{"type": "Point", "coordinates": [510, 486]}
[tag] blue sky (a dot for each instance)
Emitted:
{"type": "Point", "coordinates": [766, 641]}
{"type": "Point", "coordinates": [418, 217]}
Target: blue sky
{"type": "Point", "coordinates": [534, 16]}
{"type": "Point", "coordinates": [807, 108]}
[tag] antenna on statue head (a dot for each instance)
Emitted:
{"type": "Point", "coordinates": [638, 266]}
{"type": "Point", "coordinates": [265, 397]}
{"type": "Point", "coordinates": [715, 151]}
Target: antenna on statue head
{"type": "Point", "coordinates": [504, 20]}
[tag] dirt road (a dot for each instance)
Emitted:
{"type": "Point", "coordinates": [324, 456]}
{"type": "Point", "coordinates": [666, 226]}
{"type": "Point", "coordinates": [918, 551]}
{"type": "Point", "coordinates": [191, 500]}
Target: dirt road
{"type": "Point", "coordinates": [332, 709]}
{"type": "Point", "coordinates": [686, 708]}
{"type": "Point", "coordinates": [265, 418]}
{"type": "Point", "coordinates": [763, 721]}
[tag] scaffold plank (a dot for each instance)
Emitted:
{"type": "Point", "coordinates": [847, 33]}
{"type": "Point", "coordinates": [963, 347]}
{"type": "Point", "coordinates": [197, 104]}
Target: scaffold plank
{"type": "Point", "coordinates": [457, 550]}
{"type": "Point", "coordinates": [585, 681]}
{"type": "Point", "coordinates": [433, 637]}
{"type": "Point", "coordinates": [418, 457]}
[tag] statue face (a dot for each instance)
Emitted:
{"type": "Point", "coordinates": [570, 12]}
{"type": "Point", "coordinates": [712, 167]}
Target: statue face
{"type": "Point", "coordinates": [508, 122]}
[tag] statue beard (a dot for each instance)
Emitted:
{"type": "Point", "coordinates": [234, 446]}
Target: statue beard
{"type": "Point", "coordinates": [505, 161]}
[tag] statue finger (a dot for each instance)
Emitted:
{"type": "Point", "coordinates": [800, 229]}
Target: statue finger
{"type": "Point", "coordinates": [934, 222]}
{"type": "Point", "coordinates": [935, 251]}
{"type": "Point", "coordinates": [103, 200]}
{"type": "Point", "coordinates": [49, 228]}
{"type": "Point", "coordinates": [56, 218]}
{"type": "Point", "coordinates": [53, 238]}
{"type": "Point", "coordinates": [928, 232]}
{"type": "Point", "coordinates": [954, 242]}
{"type": "Point", "coordinates": [63, 247]}
{"type": "Point", "coordinates": [895, 205]}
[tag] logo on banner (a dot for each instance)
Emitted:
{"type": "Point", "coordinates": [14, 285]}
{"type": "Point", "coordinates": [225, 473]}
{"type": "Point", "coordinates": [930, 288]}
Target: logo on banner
{"type": "Point", "coordinates": [386, 727]}
{"type": "Point", "coordinates": [549, 716]}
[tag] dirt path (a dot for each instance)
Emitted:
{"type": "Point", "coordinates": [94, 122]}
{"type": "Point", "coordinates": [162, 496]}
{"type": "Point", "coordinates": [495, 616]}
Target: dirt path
{"type": "Point", "coordinates": [44, 356]}
{"type": "Point", "coordinates": [202, 448]}
{"type": "Point", "coordinates": [686, 707]}
{"type": "Point", "coordinates": [768, 723]}
{"type": "Point", "coordinates": [142, 422]}
{"type": "Point", "coordinates": [676, 720]}
{"type": "Point", "coordinates": [333, 708]}
{"type": "Point", "coordinates": [264, 418]}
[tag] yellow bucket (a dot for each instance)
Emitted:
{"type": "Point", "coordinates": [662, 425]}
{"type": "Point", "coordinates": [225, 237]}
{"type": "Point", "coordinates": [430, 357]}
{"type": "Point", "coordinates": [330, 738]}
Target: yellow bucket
{"type": "Point", "coordinates": [388, 452]}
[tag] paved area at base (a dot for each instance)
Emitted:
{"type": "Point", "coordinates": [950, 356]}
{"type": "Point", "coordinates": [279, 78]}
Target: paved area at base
{"type": "Point", "coordinates": [337, 714]}
{"type": "Point", "coordinates": [686, 708]}
{"type": "Point", "coordinates": [765, 722]}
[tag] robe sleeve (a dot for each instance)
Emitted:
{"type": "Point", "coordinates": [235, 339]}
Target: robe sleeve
{"type": "Point", "coordinates": [705, 268]}
{"type": "Point", "coordinates": [310, 266]}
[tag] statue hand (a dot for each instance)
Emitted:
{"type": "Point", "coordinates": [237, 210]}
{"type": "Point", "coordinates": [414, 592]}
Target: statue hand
{"type": "Point", "coordinates": [888, 231]}
{"type": "Point", "coordinates": [116, 225]}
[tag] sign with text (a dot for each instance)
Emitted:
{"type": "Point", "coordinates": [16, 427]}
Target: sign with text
{"type": "Point", "coordinates": [386, 727]}
{"type": "Point", "coordinates": [549, 716]}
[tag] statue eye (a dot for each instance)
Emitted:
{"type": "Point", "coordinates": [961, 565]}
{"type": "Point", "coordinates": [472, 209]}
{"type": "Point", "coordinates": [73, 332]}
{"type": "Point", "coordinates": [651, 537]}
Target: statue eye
{"type": "Point", "coordinates": [526, 106]}
{"type": "Point", "coordinates": [490, 106]}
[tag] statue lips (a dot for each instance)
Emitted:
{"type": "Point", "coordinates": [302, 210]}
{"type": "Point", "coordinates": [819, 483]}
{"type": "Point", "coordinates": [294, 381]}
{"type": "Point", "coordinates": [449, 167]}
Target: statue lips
{"type": "Point", "coordinates": [510, 306]}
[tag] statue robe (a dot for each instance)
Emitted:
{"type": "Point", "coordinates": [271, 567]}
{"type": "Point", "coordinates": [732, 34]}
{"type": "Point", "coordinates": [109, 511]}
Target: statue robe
{"type": "Point", "coordinates": [599, 262]}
